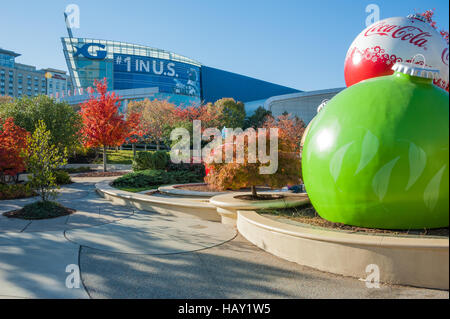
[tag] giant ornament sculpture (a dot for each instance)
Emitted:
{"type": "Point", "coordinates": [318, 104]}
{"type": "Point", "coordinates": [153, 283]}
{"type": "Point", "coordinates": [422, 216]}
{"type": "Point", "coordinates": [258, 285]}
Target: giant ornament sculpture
{"type": "Point", "coordinates": [377, 48]}
{"type": "Point", "coordinates": [378, 154]}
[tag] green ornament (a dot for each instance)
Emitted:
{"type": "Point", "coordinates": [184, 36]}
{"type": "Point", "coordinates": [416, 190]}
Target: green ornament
{"type": "Point", "coordinates": [377, 155]}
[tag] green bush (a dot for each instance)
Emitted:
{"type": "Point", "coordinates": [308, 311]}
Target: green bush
{"type": "Point", "coordinates": [74, 170]}
{"type": "Point", "coordinates": [62, 177]}
{"type": "Point", "coordinates": [83, 156]}
{"type": "Point", "coordinates": [16, 191]}
{"type": "Point", "coordinates": [150, 160]}
{"type": "Point", "coordinates": [150, 178]}
{"type": "Point", "coordinates": [198, 169]}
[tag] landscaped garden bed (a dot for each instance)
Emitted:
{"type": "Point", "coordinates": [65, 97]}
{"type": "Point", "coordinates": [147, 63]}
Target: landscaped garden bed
{"type": "Point", "coordinates": [16, 191]}
{"type": "Point", "coordinates": [100, 174]}
{"type": "Point", "coordinates": [40, 210]}
{"type": "Point", "coordinates": [307, 215]}
{"type": "Point", "coordinates": [151, 179]}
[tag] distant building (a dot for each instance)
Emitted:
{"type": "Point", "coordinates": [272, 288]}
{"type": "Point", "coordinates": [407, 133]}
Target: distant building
{"type": "Point", "coordinates": [58, 83]}
{"type": "Point", "coordinates": [17, 80]}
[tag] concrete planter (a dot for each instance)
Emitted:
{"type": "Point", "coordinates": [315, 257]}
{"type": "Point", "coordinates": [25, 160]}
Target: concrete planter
{"type": "Point", "coordinates": [175, 190]}
{"type": "Point", "coordinates": [196, 207]}
{"type": "Point", "coordinates": [228, 205]}
{"type": "Point", "coordinates": [414, 261]}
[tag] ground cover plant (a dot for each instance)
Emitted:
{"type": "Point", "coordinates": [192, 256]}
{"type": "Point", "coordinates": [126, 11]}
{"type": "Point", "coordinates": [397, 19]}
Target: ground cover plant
{"type": "Point", "coordinates": [150, 179]}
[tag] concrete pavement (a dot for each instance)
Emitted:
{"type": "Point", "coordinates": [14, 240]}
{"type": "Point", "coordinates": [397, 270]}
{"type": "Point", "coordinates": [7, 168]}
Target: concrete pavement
{"type": "Point", "coordinates": [124, 253]}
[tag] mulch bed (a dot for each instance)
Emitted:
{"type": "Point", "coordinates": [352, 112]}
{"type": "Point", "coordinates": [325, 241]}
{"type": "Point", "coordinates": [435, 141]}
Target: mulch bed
{"type": "Point", "coordinates": [39, 210]}
{"type": "Point", "coordinates": [259, 197]}
{"type": "Point", "coordinates": [209, 188]}
{"type": "Point", "coordinates": [100, 174]}
{"type": "Point", "coordinates": [308, 215]}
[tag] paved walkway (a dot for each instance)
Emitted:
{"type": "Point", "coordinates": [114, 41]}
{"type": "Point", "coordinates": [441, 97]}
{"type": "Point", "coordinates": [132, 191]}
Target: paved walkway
{"type": "Point", "coordinates": [124, 253]}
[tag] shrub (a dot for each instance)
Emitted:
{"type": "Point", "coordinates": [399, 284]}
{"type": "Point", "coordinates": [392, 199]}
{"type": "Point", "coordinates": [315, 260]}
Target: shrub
{"type": "Point", "coordinates": [150, 160]}
{"type": "Point", "coordinates": [62, 177]}
{"type": "Point", "coordinates": [149, 178]}
{"type": "Point", "coordinates": [60, 118]}
{"type": "Point", "coordinates": [197, 169]}
{"type": "Point", "coordinates": [83, 156]}
{"type": "Point", "coordinates": [16, 191]}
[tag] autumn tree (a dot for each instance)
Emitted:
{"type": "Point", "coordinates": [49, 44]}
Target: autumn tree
{"type": "Point", "coordinates": [156, 117]}
{"type": "Point", "coordinates": [103, 125]}
{"type": "Point", "coordinates": [13, 143]}
{"type": "Point", "coordinates": [244, 172]}
{"type": "Point", "coordinates": [291, 126]}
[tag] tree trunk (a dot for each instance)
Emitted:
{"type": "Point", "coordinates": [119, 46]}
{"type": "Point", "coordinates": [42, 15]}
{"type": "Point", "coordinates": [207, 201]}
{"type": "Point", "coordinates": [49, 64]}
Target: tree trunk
{"type": "Point", "coordinates": [254, 194]}
{"type": "Point", "coordinates": [157, 145]}
{"type": "Point", "coordinates": [104, 158]}
{"type": "Point", "coordinates": [134, 150]}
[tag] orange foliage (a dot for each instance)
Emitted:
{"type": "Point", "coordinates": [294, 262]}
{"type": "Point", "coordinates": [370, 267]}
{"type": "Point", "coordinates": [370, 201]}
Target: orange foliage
{"type": "Point", "coordinates": [13, 143]}
{"type": "Point", "coordinates": [103, 124]}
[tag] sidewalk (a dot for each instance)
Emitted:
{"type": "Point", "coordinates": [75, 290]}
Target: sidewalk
{"type": "Point", "coordinates": [124, 253]}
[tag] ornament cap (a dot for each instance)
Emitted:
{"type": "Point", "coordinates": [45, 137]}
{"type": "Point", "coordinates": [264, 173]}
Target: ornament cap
{"type": "Point", "coordinates": [415, 70]}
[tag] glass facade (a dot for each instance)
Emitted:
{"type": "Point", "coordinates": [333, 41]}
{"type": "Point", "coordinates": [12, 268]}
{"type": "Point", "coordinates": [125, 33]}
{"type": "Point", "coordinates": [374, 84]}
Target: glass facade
{"type": "Point", "coordinates": [131, 66]}
{"type": "Point", "coordinates": [6, 60]}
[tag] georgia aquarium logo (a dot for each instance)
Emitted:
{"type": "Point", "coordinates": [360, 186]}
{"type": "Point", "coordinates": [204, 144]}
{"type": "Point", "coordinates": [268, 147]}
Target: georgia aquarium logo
{"type": "Point", "coordinates": [100, 54]}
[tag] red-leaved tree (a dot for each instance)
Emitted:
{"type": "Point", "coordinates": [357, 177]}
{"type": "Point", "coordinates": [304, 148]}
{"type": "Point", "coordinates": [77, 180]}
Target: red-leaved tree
{"type": "Point", "coordinates": [13, 143]}
{"type": "Point", "coordinates": [103, 125]}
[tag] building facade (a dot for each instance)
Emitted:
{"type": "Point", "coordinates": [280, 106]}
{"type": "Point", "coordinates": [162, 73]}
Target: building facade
{"type": "Point", "coordinates": [176, 78]}
{"type": "Point", "coordinates": [18, 80]}
{"type": "Point", "coordinates": [58, 83]}
{"type": "Point", "coordinates": [303, 104]}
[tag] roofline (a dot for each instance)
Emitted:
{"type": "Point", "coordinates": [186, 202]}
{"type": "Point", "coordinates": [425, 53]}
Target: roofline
{"type": "Point", "coordinates": [146, 46]}
{"type": "Point", "coordinates": [12, 53]}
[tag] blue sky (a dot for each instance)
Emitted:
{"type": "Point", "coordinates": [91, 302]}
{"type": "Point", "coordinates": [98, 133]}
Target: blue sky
{"type": "Point", "coordinates": [301, 44]}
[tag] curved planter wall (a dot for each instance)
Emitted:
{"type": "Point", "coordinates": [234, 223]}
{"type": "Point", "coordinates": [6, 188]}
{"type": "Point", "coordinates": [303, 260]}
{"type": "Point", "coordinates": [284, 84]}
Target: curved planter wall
{"type": "Point", "coordinates": [420, 262]}
{"type": "Point", "coordinates": [199, 208]}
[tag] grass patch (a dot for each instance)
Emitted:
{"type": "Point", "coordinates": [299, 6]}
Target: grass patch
{"type": "Point", "coordinates": [117, 157]}
{"type": "Point", "coordinates": [40, 210]}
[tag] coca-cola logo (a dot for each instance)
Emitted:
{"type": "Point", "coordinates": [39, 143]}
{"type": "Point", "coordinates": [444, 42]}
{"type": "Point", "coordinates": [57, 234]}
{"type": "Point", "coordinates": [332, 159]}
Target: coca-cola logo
{"type": "Point", "coordinates": [445, 56]}
{"type": "Point", "coordinates": [414, 35]}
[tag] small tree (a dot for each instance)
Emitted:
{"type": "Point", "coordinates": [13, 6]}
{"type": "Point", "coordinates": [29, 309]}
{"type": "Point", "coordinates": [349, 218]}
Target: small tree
{"type": "Point", "coordinates": [43, 159]}
{"type": "Point", "coordinates": [13, 143]}
{"type": "Point", "coordinates": [237, 175]}
{"type": "Point", "coordinates": [103, 125]}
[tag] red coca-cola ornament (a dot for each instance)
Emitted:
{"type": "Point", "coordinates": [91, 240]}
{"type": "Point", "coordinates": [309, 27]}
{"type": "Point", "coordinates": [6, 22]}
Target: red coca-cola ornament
{"type": "Point", "coordinates": [382, 44]}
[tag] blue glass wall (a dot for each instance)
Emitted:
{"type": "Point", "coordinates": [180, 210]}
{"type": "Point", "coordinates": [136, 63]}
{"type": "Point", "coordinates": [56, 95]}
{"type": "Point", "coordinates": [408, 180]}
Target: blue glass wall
{"type": "Point", "coordinates": [217, 84]}
{"type": "Point", "coordinates": [131, 71]}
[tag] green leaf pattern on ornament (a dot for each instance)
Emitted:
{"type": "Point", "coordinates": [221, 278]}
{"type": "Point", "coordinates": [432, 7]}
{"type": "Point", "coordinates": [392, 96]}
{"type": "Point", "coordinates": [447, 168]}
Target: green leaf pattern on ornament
{"type": "Point", "coordinates": [417, 163]}
{"type": "Point", "coordinates": [380, 182]}
{"type": "Point", "coordinates": [370, 146]}
{"type": "Point", "coordinates": [337, 159]}
{"type": "Point", "coordinates": [431, 193]}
